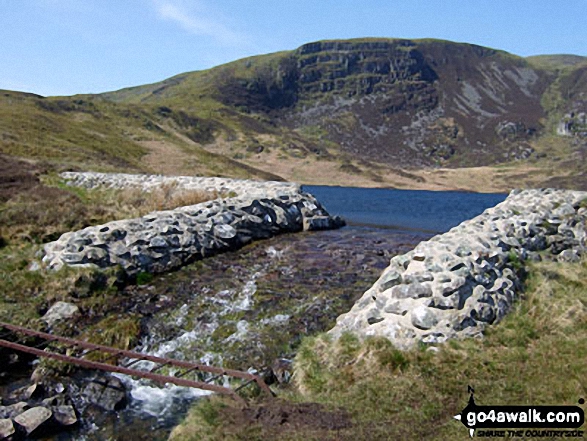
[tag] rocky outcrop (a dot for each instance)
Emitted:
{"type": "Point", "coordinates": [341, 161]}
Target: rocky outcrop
{"type": "Point", "coordinates": [166, 240]}
{"type": "Point", "coordinates": [457, 283]}
{"type": "Point", "coordinates": [573, 124]}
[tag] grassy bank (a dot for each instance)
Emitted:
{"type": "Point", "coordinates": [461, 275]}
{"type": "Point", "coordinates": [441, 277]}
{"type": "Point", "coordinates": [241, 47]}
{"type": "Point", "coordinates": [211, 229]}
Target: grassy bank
{"type": "Point", "coordinates": [369, 390]}
{"type": "Point", "coordinates": [37, 207]}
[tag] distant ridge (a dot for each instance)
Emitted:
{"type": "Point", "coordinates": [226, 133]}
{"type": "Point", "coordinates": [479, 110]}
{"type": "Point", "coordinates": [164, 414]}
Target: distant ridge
{"type": "Point", "coordinates": [373, 111]}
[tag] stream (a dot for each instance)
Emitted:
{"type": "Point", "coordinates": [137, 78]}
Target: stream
{"type": "Point", "coordinates": [246, 308]}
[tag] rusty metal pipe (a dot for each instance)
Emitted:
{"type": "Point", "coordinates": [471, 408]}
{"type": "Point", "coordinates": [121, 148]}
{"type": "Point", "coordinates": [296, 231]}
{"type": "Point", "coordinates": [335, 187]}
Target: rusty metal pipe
{"type": "Point", "coordinates": [121, 370]}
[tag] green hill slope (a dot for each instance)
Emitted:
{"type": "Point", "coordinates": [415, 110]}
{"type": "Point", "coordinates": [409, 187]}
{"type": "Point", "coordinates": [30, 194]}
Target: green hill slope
{"type": "Point", "coordinates": [374, 112]}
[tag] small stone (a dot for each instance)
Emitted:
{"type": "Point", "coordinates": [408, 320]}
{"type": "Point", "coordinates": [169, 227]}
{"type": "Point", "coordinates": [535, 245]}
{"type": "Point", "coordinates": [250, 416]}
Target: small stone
{"type": "Point", "coordinates": [6, 428]}
{"type": "Point", "coordinates": [423, 318]}
{"type": "Point", "coordinates": [418, 290]}
{"type": "Point", "coordinates": [419, 257]}
{"type": "Point", "coordinates": [60, 311]}
{"type": "Point", "coordinates": [64, 415]}
{"type": "Point", "coordinates": [158, 242]}
{"type": "Point", "coordinates": [395, 308]}
{"type": "Point", "coordinates": [317, 223]}
{"type": "Point", "coordinates": [418, 277]}
{"type": "Point", "coordinates": [373, 320]}
{"type": "Point", "coordinates": [224, 231]}
{"type": "Point", "coordinates": [33, 391]}
{"type": "Point", "coordinates": [96, 254]}
{"type": "Point", "coordinates": [390, 279]}
{"type": "Point", "coordinates": [411, 291]}
{"type": "Point", "coordinates": [442, 303]}
{"type": "Point", "coordinates": [15, 409]}
{"type": "Point", "coordinates": [434, 338]}
{"type": "Point", "coordinates": [569, 256]}
{"type": "Point", "coordinates": [31, 419]}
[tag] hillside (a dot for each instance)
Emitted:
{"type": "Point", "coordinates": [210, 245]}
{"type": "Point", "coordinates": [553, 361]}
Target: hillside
{"type": "Point", "coordinates": [369, 112]}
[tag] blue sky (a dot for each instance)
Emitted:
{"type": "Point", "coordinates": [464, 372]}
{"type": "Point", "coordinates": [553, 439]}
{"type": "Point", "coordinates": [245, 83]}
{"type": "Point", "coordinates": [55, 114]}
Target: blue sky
{"type": "Point", "coordinates": [63, 47]}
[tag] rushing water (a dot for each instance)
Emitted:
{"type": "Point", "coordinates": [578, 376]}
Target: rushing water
{"type": "Point", "coordinates": [245, 308]}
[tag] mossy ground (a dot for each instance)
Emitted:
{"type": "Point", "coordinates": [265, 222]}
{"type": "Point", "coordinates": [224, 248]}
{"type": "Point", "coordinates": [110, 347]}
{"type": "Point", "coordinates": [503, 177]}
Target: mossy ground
{"type": "Point", "coordinates": [536, 355]}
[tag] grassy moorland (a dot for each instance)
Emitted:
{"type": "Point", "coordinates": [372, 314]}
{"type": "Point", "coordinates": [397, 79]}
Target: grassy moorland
{"type": "Point", "coordinates": [417, 114]}
{"type": "Point", "coordinates": [370, 390]}
{"type": "Point", "coordinates": [36, 207]}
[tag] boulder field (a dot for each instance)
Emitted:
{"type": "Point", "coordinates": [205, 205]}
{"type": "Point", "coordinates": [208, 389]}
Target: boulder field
{"type": "Point", "coordinates": [165, 240]}
{"type": "Point", "coordinates": [459, 282]}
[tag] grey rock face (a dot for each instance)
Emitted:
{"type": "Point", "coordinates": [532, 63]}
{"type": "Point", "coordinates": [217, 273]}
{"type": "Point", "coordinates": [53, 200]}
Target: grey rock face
{"type": "Point", "coordinates": [165, 240]}
{"type": "Point", "coordinates": [457, 283]}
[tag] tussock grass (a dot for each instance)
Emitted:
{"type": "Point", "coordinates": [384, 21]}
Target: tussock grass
{"type": "Point", "coordinates": [536, 355]}
{"type": "Point", "coordinates": [47, 211]}
{"type": "Point", "coordinates": [41, 211]}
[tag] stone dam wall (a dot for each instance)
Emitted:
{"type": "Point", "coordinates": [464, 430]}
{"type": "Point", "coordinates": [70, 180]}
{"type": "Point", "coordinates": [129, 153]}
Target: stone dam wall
{"type": "Point", "coordinates": [241, 187]}
{"type": "Point", "coordinates": [166, 240]}
{"type": "Point", "coordinates": [451, 286]}
{"type": "Point", "coordinates": [457, 283]}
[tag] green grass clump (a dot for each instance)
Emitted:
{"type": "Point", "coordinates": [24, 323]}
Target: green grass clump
{"type": "Point", "coordinates": [536, 355]}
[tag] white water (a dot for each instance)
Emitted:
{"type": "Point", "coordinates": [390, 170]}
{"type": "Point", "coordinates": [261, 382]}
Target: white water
{"type": "Point", "coordinates": [159, 402]}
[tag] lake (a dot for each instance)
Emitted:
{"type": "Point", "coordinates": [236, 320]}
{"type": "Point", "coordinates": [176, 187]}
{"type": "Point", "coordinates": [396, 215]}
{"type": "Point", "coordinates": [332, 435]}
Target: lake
{"type": "Point", "coordinates": [428, 211]}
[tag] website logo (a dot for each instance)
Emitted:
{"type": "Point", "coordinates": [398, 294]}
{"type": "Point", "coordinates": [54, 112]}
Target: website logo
{"type": "Point", "coordinates": [510, 421]}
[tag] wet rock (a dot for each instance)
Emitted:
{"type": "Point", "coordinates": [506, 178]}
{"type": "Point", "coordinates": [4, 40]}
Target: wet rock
{"type": "Point", "coordinates": [6, 428]}
{"type": "Point", "coordinates": [34, 391]}
{"type": "Point", "coordinates": [14, 409]}
{"type": "Point", "coordinates": [64, 415]}
{"type": "Point", "coordinates": [106, 392]}
{"type": "Point", "coordinates": [30, 420]}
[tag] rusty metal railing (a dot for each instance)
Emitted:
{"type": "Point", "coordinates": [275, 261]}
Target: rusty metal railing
{"type": "Point", "coordinates": [185, 367]}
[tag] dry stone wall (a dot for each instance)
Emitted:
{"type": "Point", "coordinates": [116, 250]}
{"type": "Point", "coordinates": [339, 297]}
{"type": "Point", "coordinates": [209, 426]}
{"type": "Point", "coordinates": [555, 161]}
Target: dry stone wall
{"type": "Point", "coordinates": [166, 240]}
{"type": "Point", "coordinates": [457, 283]}
{"type": "Point", "coordinates": [241, 187]}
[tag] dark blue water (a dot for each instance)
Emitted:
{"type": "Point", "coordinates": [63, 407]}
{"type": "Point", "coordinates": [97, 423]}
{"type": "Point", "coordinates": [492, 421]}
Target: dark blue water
{"type": "Point", "coordinates": [431, 211]}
